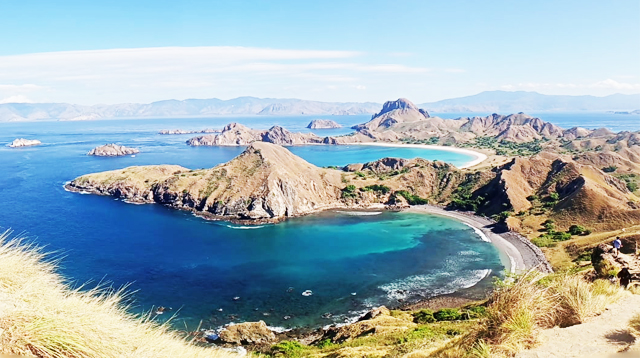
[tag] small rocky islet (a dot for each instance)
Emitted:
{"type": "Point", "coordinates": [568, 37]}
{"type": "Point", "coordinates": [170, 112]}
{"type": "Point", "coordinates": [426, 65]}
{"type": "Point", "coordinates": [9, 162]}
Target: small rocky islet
{"type": "Point", "coordinates": [22, 142]}
{"type": "Point", "coordinates": [323, 124]}
{"type": "Point", "coordinates": [112, 150]}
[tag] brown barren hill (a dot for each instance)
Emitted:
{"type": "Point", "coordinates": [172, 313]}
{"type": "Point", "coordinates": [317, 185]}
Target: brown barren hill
{"type": "Point", "coordinates": [265, 182]}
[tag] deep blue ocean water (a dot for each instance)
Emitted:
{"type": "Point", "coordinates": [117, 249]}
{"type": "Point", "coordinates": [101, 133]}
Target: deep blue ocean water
{"type": "Point", "coordinates": [173, 259]}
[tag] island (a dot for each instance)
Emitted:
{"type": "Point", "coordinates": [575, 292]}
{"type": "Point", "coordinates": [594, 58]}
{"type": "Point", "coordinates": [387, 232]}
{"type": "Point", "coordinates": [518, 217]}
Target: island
{"type": "Point", "coordinates": [323, 124]}
{"type": "Point", "coordinates": [235, 134]}
{"type": "Point", "coordinates": [21, 142]}
{"type": "Point", "coordinates": [112, 150]}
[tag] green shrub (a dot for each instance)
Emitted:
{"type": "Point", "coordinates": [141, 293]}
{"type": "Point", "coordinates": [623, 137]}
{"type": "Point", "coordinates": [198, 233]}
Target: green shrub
{"type": "Point", "coordinates": [561, 236]}
{"type": "Point", "coordinates": [576, 230]}
{"type": "Point", "coordinates": [632, 186]}
{"type": "Point", "coordinates": [543, 241]}
{"type": "Point", "coordinates": [418, 333]}
{"type": "Point", "coordinates": [381, 189]}
{"type": "Point", "coordinates": [411, 198]}
{"type": "Point", "coordinates": [554, 196]}
{"type": "Point", "coordinates": [349, 192]}
{"type": "Point", "coordinates": [532, 197]}
{"type": "Point", "coordinates": [610, 169]}
{"type": "Point", "coordinates": [549, 226]}
{"type": "Point", "coordinates": [475, 311]}
{"type": "Point", "coordinates": [424, 316]}
{"type": "Point", "coordinates": [289, 349]}
{"type": "Point", "coordinates": [360, 174]}
{"type": "Point", "coordinates": [448, 314]}
{"type": "Point", "coordinates": [325, 344]}
{"type": "Point", "coordinates": [502, 216]}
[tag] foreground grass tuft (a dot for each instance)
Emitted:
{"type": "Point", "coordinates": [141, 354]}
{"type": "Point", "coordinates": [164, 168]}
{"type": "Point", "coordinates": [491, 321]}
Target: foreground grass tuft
{"type": "Point", "coordinates": [40, 315]}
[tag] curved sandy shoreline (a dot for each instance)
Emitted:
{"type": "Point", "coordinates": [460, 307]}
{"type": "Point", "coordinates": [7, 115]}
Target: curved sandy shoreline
{"type": "Point", "coordinates": [517, 252]}
{"type": "Point", "coordinates": [478, 157]}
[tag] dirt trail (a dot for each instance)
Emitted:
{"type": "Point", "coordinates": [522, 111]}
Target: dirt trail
{"type": "Point", "coordinates": [600, 337]}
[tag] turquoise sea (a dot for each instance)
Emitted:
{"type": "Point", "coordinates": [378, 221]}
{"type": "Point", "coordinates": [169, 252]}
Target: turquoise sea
{"type": "Point", "coordinates": [348, 260]}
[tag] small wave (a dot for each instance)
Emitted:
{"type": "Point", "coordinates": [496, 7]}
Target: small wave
{"type": "Point", "coordinates": [133, 202]}
{"type": "Point", "coordinates": [245, 227]}
{"type": "Point", "coordinates": [348, 318]}
{"type": "Point", "coordinates": [83, 192]}
{"type": "Point", "coordinates": [360, 213]}
{"type": "Point", "coordinates": [279, 329]}
{"type": "Point", "coordinates": [468, 253]}
{"type": "Point", "coordinates": [418, 284]}
{"type": "Point", "coordinates": [479, 232]}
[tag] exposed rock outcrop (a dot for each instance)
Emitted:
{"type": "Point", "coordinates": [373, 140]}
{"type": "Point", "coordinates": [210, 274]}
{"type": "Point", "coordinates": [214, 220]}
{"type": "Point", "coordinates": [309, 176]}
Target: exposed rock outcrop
{"type": "Point", "coordinates": [323, 124]}
{"type": "Point", "coordinates": [379, 320]}
{"type": "Point", "coordinates": [235, 134]}
{"type": "Point", "coordinates": [394, 112]}
{"type": "Point", "coordinates": [21, 142]}
{"type": "Point", "coordinates": [247, 333]}
{"type": "Point", "coordinates": [112, 150]}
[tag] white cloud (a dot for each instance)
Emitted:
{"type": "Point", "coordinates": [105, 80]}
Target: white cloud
{"type": "Point", "coordinates": [147, 74]}
{"type": "Point", "coordinates": [612, 84]}
{"type": "Point", "coordinates": [20, 88]}
{"type": "Point", "coordinates": [16, 99]}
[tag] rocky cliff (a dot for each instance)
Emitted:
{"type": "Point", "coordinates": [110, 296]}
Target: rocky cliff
{"type": "Point", "coordinates": [394, 112]}
{"type": "Point", "coordinates": [21, 142]}
{"type": "Point", "coordinates": [323, 124]}
{"type": "Point", "coordinates": [112, 150]}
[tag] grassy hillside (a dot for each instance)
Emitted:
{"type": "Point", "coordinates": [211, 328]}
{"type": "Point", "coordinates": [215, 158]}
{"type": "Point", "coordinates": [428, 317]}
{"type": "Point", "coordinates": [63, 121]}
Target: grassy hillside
{"type": "Point", "coordinates": [42, 316]}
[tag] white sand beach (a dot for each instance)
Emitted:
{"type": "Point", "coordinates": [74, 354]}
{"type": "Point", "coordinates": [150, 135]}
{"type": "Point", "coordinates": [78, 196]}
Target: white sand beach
{"type": "Point", "coordinates": [478, 157]}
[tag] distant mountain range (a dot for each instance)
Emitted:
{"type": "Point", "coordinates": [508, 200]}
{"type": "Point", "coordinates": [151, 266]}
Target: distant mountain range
{"type": "Point", "coordinates": [494, 101]}
{"type": "Point", "coordinates": [521, 101]}
{"type": "Point", "coordinates": [177, 109]}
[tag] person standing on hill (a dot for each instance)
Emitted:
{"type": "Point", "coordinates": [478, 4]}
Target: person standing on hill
{"type": "Point", "coordinates": [617, 244]}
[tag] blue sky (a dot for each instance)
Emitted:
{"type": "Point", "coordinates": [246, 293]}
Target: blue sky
{"type": "Point", "coordinates": [141, 51]}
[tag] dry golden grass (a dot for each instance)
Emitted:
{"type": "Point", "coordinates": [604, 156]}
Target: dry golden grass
{"type": "Point", "coordinates": [634, 325]}
{"type": "Point", "coordinates": [520, 309]}
{"type": "Point", "coordinates": [580, 299]}
{"type": "Point", "coordinates": [40, 315]}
